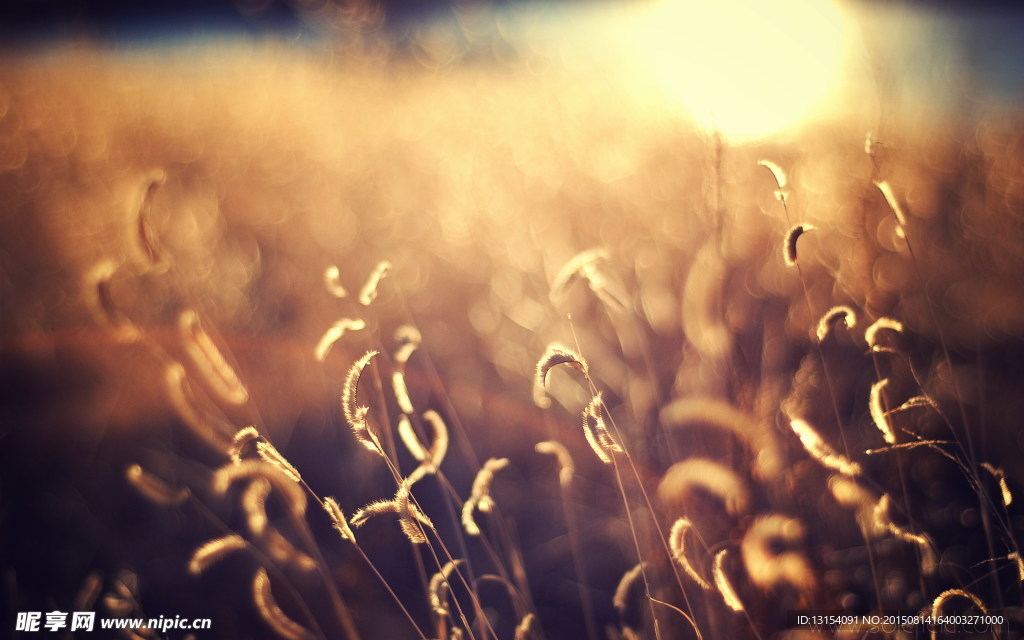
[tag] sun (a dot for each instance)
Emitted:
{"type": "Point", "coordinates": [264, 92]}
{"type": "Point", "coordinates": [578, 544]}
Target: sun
{"type": "Point", "coordinates": [746, 68]}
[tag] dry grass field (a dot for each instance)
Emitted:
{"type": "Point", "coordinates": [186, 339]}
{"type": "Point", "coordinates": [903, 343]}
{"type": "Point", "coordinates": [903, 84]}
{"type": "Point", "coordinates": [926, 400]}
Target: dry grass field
{"type": "Point", "coordinates": [780, 373]}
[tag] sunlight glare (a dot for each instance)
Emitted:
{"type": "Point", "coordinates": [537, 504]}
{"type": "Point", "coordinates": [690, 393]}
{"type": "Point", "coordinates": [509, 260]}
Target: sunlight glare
{"type": "Point", "coordinates": [746, 68]}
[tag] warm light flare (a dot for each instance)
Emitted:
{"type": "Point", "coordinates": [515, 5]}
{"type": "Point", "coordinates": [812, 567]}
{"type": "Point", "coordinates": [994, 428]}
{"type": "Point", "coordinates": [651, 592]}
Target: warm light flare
{"type": "Point", "coordinates": [746, 68]}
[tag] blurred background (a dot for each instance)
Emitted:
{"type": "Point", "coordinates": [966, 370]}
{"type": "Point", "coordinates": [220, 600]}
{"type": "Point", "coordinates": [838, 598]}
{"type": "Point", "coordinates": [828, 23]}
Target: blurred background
{"type": "Point", "coordinates": [946, 55]}
{"type": "Point", "coordinates": [162, 157]}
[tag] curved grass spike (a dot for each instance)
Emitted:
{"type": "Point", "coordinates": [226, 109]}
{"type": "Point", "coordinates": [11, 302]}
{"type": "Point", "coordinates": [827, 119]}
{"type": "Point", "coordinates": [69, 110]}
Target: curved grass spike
{"type": "Point", "coordinates": [369, 291]}
{"type": "Point", "coordinates": [271, 613]}
{"type": "Point", "coordinates": [254, 500]}
{"type": "Point", "coordinates": [410, 440]}
{"type": "Point", "coordinates": [877, 409]}
{"type": "Point", "coordinates": [338, 520]}
{"type": "Point", "coordinates": [934, 445]}
{"type": "Point", "coordinates": [703, 324]}
{"type": "Point", "coordinates": [525, 627]}
{"type": "Point", "coordinates": [929, 561]}
{"type": "Point", "coordinates": [284, 552]}
{"type": "Point", "coordinates": [121, 599]}
{"type": "Point", "coordinates": [566, 467]}
{"type": "Point", "coordinates": [409, 516]}
{"type": "Point", "coordinates": [480, 495]}
{"type": "Point", "coordinates": [789, 245]}
{"type": "Point", "coordinates": [834, 315]}
{"type": "Point", "coordinates": [355, 415]}
{"type": "Point", "coordinates": [584, 265]}
{"type": "Point", "coordinates": [780, 179]}
{"type": "Point", "coordinates": [1000, 476]}
{"type": "Point", "coordinates": [401, 392]}
{"type": "Point", "coordinates": [375, 508]}
{"type": "Point", "coordinates": [155, 489]}
{"type": "Point", "coordinates": [708, 475]}
{"type": "Point", "coordinates": [243, 436]}
{"type": "Point", "coordinates": [596, 431]}
{"type": "Point", "coordinates": [147, 240]}
{"type": "Point", "coordinates": [576, 266]}
{"type": "Point", "coordinates": [871, 333]}
{"type": "Point", "coordinates": [871, 145]}
{"type": "Point", "coordinates": [821, 451]}
{"type": "Point", "coordinates": [724, 586]}
{"type": "Point", "coordinates": [209, 360]}
{"type": "Point", "coordinates": [849, 493]}
{"type": "Point", "coordinates": [945, 596]}
{"type": "Point", "coordinates": [1018, 562]}
{"type": "Point", "coordinates": [439, 589]}
{"type": "Point", "coordinates": [766, 565]}
{"type": "Point", "coordinates": [621, 597]}
{"type": "Point", "coordinates": [409, 339]}
{"type": "Point", "coordinates": [100, 301]}
{"type": "Point", "coordinates": [697, 411]}
{"type": "Point", "coordinates": [430, 459]}
{"type": "Point", "coordinates": [292, 494]}
{"type": "Point", "coordinates": [211, 552]}
{"type": "Point", "coordinates": [332, 282]}
{"type": "Point", "coordinates": [269, 453]}
{"type": "Point", "coordinates": [916, 401]}
{"type": "Point", "coordinates": [266, 451]}
{"type": "Point", "coordinates": [940, 601]}
{"type": "Point", "coordinates": [334, 333]}
{"type": "Point", "coordinates": [439, 445]}
{"type": "Point", "coordinates": [677, 542]}
{"type": "Point", "coordinates": [556, 354]}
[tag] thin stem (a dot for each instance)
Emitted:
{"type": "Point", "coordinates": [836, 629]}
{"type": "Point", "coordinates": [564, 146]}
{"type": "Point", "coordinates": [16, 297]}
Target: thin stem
{"type": "Point", "coordinates": [636, 545]}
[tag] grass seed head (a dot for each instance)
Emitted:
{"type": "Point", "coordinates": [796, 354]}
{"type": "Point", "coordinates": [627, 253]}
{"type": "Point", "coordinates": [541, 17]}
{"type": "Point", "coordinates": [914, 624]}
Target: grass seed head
{"type": "Point", "coordinates": [834, 315]}
{"type": "Point", "coordinates": [338, 520]}
{"type": "Point", "coordinates": [356, 415]}
{"type": "Point", "coordinates": [556, 354]}
{"type": "Point", "coordinates": [780, 179]}
{"type": "Point", "coordinates": [677, 543]}
{"type": "Point", "coordinates": [723, 584]}
{"type": "Point", "coordinates": [621, 597]}
{"type": "Point", "coordinates": [154, 489]}
{"type": "Point", "coordinates": [789, 245]}
{"type": "Point", "coordinates": [213, 551]}
{"type": "Point", "coordinates": [332, 282]}
{"type": "Point", "coordinates": [566, 467]}
{"type": "Point", "coordinates": [871, 333]}
{"type": "Point", "coordinates": [821, 451]}
{"type": "Point", "coordinates": [334, 333]}
{"type": "Point", "coordinates": [769, 567]}
{"type": "Point", "coordinates": [209, 361]}
{"type": "Point", "coordinates": [708, 475]}
{"type": "Point", "coordinates": [369, 291]}
{"type": "Point", "coordinates": [876, 405]}
{"type": "Point", "coordinates": [291, 492]}
{"type": "Point", "coordinates": [271, 613]}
